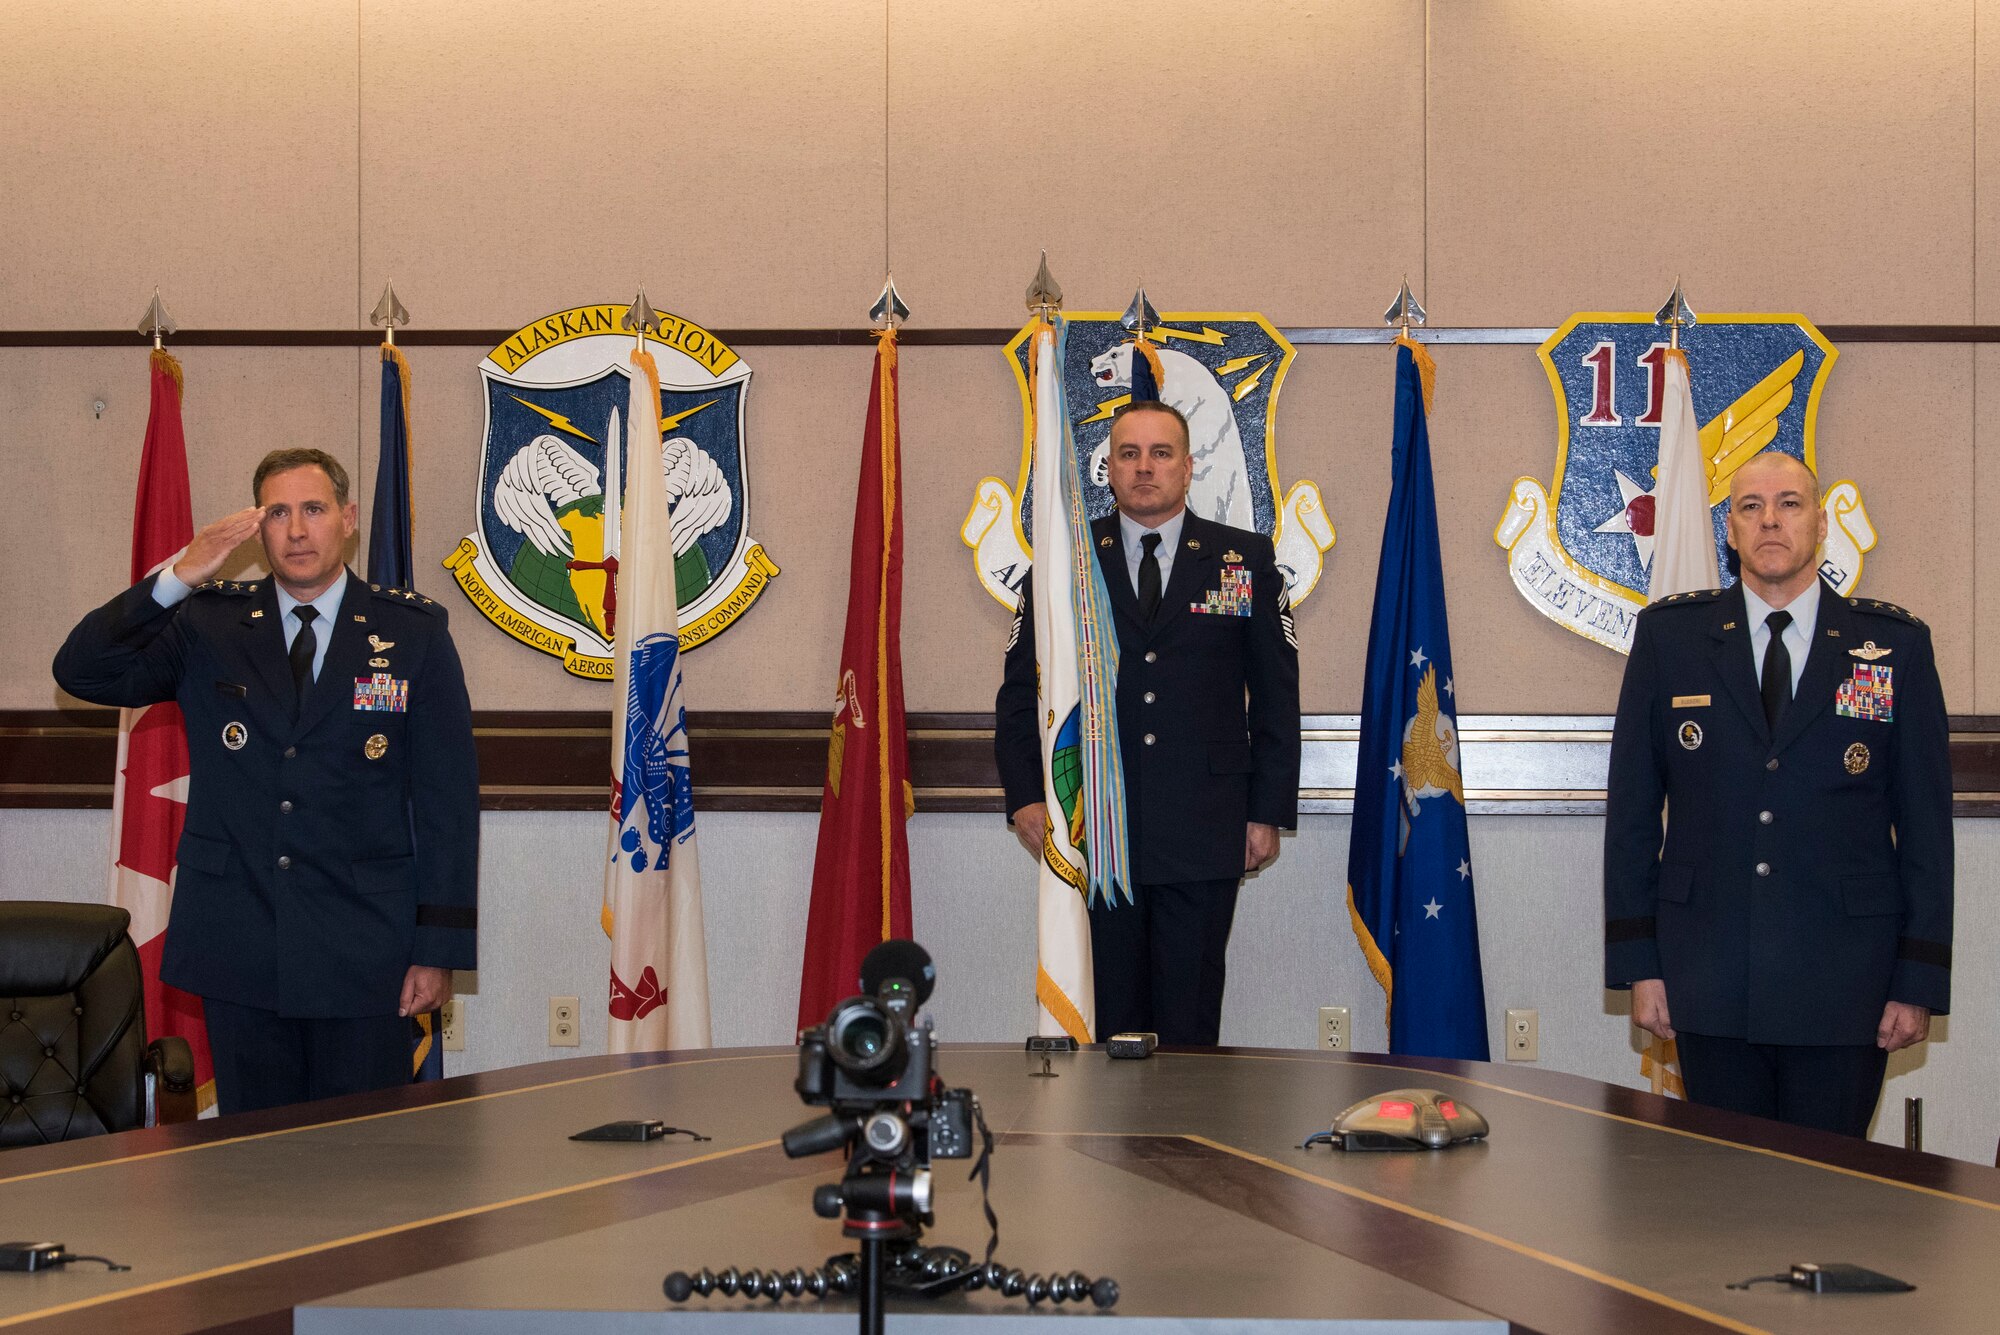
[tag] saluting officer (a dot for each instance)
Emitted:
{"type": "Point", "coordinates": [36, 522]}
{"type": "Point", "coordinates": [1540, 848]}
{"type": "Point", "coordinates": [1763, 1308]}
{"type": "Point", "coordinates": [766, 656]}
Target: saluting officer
{"type": "Point", "coordinates": [1792, 927]}
{"type": "Point", "coordinates": [1208, 726]}
{"type": "Point", "coordinates": [328, 865]}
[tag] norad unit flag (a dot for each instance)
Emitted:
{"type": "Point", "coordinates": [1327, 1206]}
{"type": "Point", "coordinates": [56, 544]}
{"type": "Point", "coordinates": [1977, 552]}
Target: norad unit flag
{"type": "Point", "coordinates": [1084, 854]}
{"type": "Point", "coordinates": [861, 870]}
{"type": "Point", "coordinates": [652, 872]}
{"type": "Point", "coordinates": [149, 793]}
{"type": "Point", "coordinates": [1409, 865]}
{"type": "Point", "coordinates": [1683, 560]}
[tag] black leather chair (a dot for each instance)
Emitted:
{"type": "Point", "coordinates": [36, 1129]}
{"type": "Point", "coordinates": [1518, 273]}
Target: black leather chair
{"type": "Point", "coordinates": [74, 1060]}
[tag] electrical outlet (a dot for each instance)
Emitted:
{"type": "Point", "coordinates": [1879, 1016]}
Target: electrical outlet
{"type": "Point", "coordinates": [1524, 1036]}
{"type": "Point", "coordinates": [562, 1022]}
{"type": "Point", "coordinates": [454, 1025]}
{"type": "Point", "coordinates": [1336, 1028]}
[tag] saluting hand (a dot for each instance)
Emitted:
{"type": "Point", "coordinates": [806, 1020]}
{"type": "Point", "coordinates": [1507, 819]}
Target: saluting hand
{"type": "Point", "coordinates": [212, 546]}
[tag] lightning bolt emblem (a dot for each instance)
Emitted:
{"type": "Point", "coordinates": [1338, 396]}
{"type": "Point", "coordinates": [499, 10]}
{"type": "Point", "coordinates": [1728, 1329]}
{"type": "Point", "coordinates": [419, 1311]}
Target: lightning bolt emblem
{"type": "Point", "coordinates": [1211, 336]}
{"type": "Point", "coordinates": [556, 420]}
{"type": "Point", "coordinates": [1247, 385]}
{"type": "Point", "coordinates": [669, 423]}
{"type": "Point", "coordinates": [1105, 409]}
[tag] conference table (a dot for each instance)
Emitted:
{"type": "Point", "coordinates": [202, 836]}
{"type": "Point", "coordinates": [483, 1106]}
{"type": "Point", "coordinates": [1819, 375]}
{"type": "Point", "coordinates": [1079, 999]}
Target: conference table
{"type": "Point", "coordinates": [464, 1206]}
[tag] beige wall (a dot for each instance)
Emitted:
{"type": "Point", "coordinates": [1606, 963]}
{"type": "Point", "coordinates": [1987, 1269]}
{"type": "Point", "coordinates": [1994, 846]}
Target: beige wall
{"type": "Point", "coordinates": [270, 167]}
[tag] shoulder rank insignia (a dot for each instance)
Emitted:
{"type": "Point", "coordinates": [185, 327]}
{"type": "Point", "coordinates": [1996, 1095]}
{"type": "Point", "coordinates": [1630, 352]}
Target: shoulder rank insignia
{"type": "Point", "coordinates": [1886, 609]}
{"type": "Point", "coordinates": [1871, 651]}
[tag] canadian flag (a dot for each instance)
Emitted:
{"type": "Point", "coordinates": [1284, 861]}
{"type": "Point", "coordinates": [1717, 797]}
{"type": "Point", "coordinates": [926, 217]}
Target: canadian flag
{"type": "Point", "coordinates": [149, 796]}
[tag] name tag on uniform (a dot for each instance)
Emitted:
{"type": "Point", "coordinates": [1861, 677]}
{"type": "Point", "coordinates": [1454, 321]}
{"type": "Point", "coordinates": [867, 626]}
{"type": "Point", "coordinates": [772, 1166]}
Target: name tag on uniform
{"type": "Point", "coordinates": [1869, 694]}
{"type": "Point", "coordinates": [1690, 702]}
{"type": "Point", "coordinates": [382, 693]}
{"type": "Point", "coordinates": [1232, 599]}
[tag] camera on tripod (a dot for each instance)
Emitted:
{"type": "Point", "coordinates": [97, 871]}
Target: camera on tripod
{"type": "Point", "coordinates": [873, 1063]}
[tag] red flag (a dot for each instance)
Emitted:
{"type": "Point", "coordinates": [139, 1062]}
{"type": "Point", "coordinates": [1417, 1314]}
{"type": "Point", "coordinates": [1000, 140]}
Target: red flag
{"type": "Point", "coordinates": [861, 871]}
{"type": "Point", "coordinates": [149, 799]}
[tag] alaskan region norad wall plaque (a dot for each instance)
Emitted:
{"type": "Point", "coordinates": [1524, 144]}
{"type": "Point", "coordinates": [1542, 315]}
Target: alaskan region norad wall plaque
{"type": "Point", "coordinates": [536, 566]}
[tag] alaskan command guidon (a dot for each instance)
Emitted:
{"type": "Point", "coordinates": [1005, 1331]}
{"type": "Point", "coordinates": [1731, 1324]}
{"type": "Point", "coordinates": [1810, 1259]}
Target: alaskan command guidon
{"type": "Point", "coordinates": [1581, 551]}
{"type": "Point", "coordinates": [1223, 372]}
{"type": "Point", "coordinates": [540, 565]}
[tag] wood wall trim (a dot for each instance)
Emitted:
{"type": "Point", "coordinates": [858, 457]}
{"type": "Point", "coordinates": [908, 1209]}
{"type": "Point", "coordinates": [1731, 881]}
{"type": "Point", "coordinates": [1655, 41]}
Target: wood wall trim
{"type": "Point", "coordinates": [1301, 335]}
{"type": "Point", "coordinates": [548, 760]}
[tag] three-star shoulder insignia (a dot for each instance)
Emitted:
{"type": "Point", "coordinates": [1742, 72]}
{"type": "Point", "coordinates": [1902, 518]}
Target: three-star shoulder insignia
{"type": "Point", "coordinates": [1691, 596]}
{"type": "Point", "coordinates": [407, 597]}
{"type": "Point", "coordinates": [235, 586]}
{"type": "Point", "coordinates": [1885, 609]}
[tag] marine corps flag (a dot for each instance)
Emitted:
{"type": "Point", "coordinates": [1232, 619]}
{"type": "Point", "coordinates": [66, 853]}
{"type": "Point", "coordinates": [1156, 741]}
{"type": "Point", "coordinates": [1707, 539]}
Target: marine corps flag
{"type": "Point", "coordinates": [149, 793]}
{"type": "Point", "coordinates": [1084, 856]}
{"type": "Point", "coordinates": [652, 873]}
{"type": "Point", "coordinates": [1409, 865]}
{"type": "Point", "coordinates": [861, 870]}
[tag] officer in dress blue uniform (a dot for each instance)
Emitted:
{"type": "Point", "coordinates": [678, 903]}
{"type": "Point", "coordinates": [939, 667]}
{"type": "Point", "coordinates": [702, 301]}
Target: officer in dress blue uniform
{"type": "Point", "coordinates": [327, 879]}
{"type": "Point", "coordinates": [1208, 722]}
{"type": "Point", "coordinates": [1792, 926]}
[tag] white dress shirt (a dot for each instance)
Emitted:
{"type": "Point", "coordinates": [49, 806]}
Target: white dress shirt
{"type": "Point", "coordinates": [1131, 530]}
{"type": "Point", "coordinates": [1798, 635]}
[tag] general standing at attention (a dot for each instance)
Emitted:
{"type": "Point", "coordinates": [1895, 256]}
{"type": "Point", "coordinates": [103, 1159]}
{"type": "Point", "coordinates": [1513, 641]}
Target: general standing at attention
{"type": "Point", "coordinates": [1208, 724]}
{"type": "Point", "coordinates": [328, 865]}
{"type": "Point", "coordinates": [1791, 924]}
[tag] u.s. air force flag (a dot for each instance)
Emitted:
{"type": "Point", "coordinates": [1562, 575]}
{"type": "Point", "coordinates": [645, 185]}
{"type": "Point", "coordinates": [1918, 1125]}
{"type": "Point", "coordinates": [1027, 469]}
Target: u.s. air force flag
{"type": "Point", "coordinates": [1409, 865]}
{"type": "Point", "coordinates": [652, 874]}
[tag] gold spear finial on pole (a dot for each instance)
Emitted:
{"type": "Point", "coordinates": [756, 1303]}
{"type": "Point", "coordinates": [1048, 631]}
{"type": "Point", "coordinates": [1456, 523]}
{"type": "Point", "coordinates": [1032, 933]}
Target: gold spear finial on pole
{"type": "Point", "coordinates": [640, 318]}
{"type": "Point", "coordinates": [156, 323]}
{"type": "Point", "coordinates": [1045, 296]}
{"type": "Point", "coordinates": [889, 311]}
{"type": "Point", "coordinates": [388, 313]}
{"type": "Point", "coordinates": [1404, 312]}
{"type": "Point", "coordinates": [1675, 314]}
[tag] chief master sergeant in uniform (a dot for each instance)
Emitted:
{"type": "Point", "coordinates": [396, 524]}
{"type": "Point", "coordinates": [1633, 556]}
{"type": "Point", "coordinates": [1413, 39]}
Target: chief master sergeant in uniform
{"type": "Point", "coordinates": [328, 865]}
{"type": "Point", "coordinates": [1793, 926]}
{"type": "Point", "coordinates": [1208, 725]}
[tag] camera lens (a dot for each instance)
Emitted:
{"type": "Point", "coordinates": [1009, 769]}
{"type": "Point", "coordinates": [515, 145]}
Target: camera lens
{"type": "Point", "coordinates": [865, 1041]}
